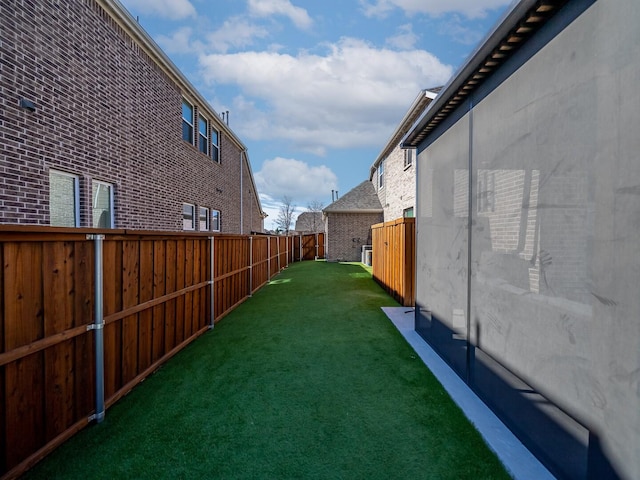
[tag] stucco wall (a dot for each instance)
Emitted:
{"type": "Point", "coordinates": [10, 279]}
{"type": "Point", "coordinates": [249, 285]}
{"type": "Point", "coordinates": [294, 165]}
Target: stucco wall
{"type": "Point", "coordinates": [555, 242]}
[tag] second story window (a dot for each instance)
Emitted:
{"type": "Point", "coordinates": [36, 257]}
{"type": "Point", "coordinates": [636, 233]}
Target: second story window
{"type": "Point", "coordinates": [187, 122]}
{"type": "Point", "coordinates": [408, 157]}
{"type": "Point", "coordinates": [381, 175]}
{"type": "Point", "coordinates": [203, 135]}
{"type": "Point", "coordinates": [215, 146]}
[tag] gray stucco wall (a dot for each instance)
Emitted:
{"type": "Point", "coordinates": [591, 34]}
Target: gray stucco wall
{"type": "Point", "coordinates": [554, 256]}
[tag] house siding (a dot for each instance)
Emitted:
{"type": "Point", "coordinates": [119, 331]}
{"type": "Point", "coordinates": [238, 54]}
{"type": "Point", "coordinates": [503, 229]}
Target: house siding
{"type": "Point", "coordinates": [347, 233]}
{"type": "Point", "coordinates": [107, 111]}
{"type": "Point", "coordinates": [399, 191]}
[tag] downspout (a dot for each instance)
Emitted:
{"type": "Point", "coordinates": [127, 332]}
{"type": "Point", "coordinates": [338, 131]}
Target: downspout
{"type": "Point", "coordinates": [212, 282]}
{"type": "Point", "coordinates": [241, 194]}
{"type": "Point", "coordinates": [98, 326]}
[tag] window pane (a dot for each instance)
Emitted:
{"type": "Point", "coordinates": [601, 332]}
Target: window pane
{"type": "Point", "coordinates": [188, 213]}
{"type": "Point", "coordinates": [215, 220]}
{"type": "Point", "coordinates": [215, 146]}
{"type": "Point", "coordinates": [101, 205]}
{"type": "Point", "coordinates": [187, 122]}
{"type": "Point", "coordinates": [204, 219]}
{"type": "Point", "coordinates": [62, 200]}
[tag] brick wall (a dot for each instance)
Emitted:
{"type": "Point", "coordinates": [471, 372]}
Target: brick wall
{"type": "Point", "coordinates": [104, 111]}
{"type": "Point", "coordinates": [399, 191]}
{"type": "Point", "coordinates": [347, 233]}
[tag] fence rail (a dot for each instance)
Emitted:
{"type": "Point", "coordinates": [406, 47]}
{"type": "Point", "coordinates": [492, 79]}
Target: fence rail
{"type": "Point", "coordinates": [393, 258]}
{"type": "Point", "coordinates": [160, 291]}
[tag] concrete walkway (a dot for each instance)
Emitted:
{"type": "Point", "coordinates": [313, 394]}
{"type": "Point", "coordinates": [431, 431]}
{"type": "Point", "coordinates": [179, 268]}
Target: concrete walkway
{"type": "Point", "coordinates": [518, 461]}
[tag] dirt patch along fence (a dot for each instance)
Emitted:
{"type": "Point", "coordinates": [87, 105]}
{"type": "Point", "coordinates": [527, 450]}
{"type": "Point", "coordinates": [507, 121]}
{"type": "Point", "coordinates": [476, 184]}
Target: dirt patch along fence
{"type": "Point", "coordinates": [86, 315]}
{"type": "Point", "coordinates": [394, 258]}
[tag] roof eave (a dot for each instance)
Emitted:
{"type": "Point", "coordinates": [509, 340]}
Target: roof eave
{"type": "Point", "coordinates": [517, 24]}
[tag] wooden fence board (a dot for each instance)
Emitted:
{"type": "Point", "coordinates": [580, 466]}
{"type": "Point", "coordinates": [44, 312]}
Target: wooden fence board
{"type": "Point", "coordinates": [393, 259]}
{"type": "Point", "coordinates": [157, 291]}
{"type": "Point", "coordinates": [158, 312]}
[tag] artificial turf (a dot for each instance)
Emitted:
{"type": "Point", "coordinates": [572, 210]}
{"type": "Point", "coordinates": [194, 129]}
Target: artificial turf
{"type": "Point", "coordinates": [306, 379]}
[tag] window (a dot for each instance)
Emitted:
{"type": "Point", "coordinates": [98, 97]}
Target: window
{"type": "Point", "coordinates": [187, 122]}
{"type": "Point", "coordinates": [64, 205]}
{"type": "Point", "coordinates": [102, 204]}
{"type": "Point", "coordinates": [215, 220]}
{"type": "Point", "coordinates": [215, 146]}
{"type": "Point", "coordinates": [381, 175]}
{"type": "Point", "coordinates": [204, 219]}
{"type": "Point", "coordinates": [188, 216]}
{"type": "Point", "coordinates": [408, 212]}
{"type": "Point", "coordinates": [203, 135]}
{"type": "Point", "coordinates": [408, 157]}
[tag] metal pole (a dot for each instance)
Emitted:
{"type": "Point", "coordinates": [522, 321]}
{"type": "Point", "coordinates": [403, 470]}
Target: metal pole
{"type": "Point", "coordinates": [211, 281]}
{"type": "Point", "coordinates": [98, 326]}
{"type": "Point", "coordinates": [278, 250]}
{"type": "Point", "coordinates": [269, 258]}
{"type": "Point", "coordinates": [250, 265]}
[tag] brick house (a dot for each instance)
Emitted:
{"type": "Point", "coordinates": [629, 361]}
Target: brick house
{"type": "Point", "coordinates": [393, 174]}
{"type": "Point", "coordinates": [348, 223]}
{"type": "Point", "coordinates": [99, 128]}
{"type": "Point", "coordinates": [309, 222]}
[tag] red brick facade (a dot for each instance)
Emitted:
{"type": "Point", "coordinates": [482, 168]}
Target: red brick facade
{"type": "Point", "coordinates": [107, 108]}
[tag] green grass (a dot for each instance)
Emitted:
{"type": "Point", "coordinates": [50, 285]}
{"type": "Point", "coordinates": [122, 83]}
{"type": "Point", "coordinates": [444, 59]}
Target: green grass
{"type": "Point", "coordinates": [307, 379]}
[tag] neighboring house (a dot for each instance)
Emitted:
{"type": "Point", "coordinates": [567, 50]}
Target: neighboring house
{"type": "Point", "coordinates": [393, 174]}
{"type": "Point", "coordinates": [348, 223]}
{"type": "Point", "coordinates": [309, 222]}
{"type": "Point", "coordinates": [100, 129]}
{"type": "Point", "coordinates": [528, 251]}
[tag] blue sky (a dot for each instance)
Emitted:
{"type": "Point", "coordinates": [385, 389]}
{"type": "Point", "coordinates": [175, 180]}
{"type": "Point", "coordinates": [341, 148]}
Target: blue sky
{"type": "Point", "coordinates": [314, 89]}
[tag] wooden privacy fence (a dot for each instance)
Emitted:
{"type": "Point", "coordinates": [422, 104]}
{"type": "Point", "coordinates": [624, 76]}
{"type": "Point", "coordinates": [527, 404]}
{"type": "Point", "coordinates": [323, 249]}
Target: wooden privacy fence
{"type": "Point", "coordinates": [394, 258]}
{"type": "Point", "coordinates": [85, 315]}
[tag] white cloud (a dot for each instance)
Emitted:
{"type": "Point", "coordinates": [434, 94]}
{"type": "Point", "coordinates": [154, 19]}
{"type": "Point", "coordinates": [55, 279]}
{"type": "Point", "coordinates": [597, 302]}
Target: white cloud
{"type": "Point", "coordinates": [267, 8]}
{"type": "Point", "coordinates": [471, 9]}
{"type": "Point", "coordinates": [172, 9]}
{"type": "Point", "coordinates": [178, 42]}
{"type": "Point", "coordinates": [296, 179]}
{"type": "Point", "coordinates": [352, 96]}
{"type": "Point", "coordinates": [405, 39]}
{"type": "Point", "coordinates": [235, 32]}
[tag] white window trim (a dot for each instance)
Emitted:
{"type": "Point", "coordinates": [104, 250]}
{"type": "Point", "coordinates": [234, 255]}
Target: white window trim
{"type": "Point", "coordinates": [215, 147]}
{"type": "Point", "coordinates": [193, 217]}
{"type": "Point", "coordinates": [76, 194]}
{"type": "Point", "coordinates": [206, 216]}
{"type": "Point", "coordinates": [111, 195]}
{"type": "Point", "coordinates": [213, 215]}
{"type": "Point", "coordinates": [381, 175]}
{"type": "Point", "coordinates": [203, 138]}
{"type": "Point", "coordinates": [191, 123]}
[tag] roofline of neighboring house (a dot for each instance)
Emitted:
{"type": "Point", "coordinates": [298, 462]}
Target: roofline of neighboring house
{"type": "Point", "coordinates": [123, 18]}
{"type": "Point", "coordinates": [355, 210]}
{"type": "Point", "coordinates": [516, 25]}
{"type": "Point", "coordinates": [417, 107]}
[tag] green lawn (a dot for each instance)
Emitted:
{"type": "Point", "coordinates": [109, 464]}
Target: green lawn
{"type": "Point", "coordinates": [307, 379]}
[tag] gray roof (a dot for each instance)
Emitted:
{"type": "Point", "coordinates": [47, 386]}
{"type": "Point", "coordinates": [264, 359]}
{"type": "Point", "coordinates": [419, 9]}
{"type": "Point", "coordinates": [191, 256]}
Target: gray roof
{"type": "Point", "coordinates": [306, 220]}
{"type": "Point", "coordinates": [360, 199]}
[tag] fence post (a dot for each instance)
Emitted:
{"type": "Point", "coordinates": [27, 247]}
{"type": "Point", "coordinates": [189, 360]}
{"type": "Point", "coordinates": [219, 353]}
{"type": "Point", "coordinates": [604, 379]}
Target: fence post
{"type": "Point", "coordinates": [268, 258]}
{"type": "Point", "coordinates": [316, 242]}
{"type": "Point", "coordinates": [212, 281]}
{"type": "Point", "coordinates": [278, 250]}
{"type": "Point", "coordinates": [250, 266]}
{"type": "Point", "coordinates": [98, 325]}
